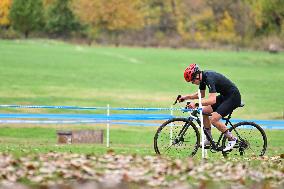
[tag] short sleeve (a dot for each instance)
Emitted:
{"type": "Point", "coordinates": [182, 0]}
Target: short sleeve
{"type": "Point", "coordinates": [202, 86]}
{"type": "Point", "coordinates": [211, 86]}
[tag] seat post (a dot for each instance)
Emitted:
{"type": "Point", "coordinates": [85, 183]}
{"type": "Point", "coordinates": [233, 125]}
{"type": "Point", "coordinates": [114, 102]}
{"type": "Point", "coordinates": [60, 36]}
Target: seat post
{"type": "Point", "coordinates": [227, 118]}
{"type": "Point", "coordinates": [230, 115]}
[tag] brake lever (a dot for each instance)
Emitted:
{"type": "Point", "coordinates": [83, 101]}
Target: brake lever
{"type": "Point", "coordinates": [177, 99]}
{"type": "Point", "coordinates": [188, 103]}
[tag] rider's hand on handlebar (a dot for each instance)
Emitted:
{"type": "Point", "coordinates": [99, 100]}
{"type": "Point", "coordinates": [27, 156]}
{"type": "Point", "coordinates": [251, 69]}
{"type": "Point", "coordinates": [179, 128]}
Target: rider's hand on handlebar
{"type": "Point", "coordinates": [191, 105]}
{"type": "Point", "coordinates": [181, 99]}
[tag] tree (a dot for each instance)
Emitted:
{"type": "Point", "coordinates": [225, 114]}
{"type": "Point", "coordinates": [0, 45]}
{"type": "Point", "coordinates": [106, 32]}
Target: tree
{"type": "Point", "coordinates": [273, 16]}
{"type": "Point", "coordinates": [267, 16]}
{"type": "Point", "coordinates": [5, 6]}
{"type": "Point", "coordinates": [169, 14]}
{"type": "Point", "coordinates": [112, 16]}
{"type": "Point", "coordinates": [60, 19]}
{"type": "Point", "coordinates": [226, 29]}
{"type": "Point", "coordinates": [195, 20]}
{"type": "Point", "coordinates": [241, 15]}
{"type": "Point", "coordinates": [26, 15]}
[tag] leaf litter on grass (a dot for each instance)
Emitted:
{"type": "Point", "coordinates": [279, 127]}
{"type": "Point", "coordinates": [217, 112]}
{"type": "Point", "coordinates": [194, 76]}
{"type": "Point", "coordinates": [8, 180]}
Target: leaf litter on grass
{"type": "Point", "coordinates": [133, 171]}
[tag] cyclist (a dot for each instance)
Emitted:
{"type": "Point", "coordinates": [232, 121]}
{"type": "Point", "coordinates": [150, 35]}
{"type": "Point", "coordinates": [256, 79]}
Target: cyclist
{"type": "Point", "coordinates": [219, 106]}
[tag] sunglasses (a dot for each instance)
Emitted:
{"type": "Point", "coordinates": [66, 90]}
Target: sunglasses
{"type": "Point", "coordinates": [194, 78]}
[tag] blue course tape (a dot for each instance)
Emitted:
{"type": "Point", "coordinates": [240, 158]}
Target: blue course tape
{"type": "Point", "coordinates": [261, 122]}
{"type": "Point", "coordinates": [93, 108]}
{"type": "Point", "coordinates": [90, 116]}
{"type": "Point", "coordinates": [53, 107]}
{"type": "Point", "coordinates": [265, 124]}
{"type": "Point", "coordinates": [93, 121]}
{"type": "Point", "coordinates": [75, 122]}
{"type": "Point", "coordinates": [101, 118]}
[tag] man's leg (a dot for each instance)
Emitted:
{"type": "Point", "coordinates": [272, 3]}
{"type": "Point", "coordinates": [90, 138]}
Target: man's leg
{"type": "Point", "coordinates": [215, 120]}
{"type": "Point", "coordinates": [206, 121]}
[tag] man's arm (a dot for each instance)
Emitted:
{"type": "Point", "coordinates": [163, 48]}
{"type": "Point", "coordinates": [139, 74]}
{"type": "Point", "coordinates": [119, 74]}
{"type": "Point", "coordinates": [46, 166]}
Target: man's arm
{"type": "Point", "coordinates": [193, 96]}
{"type": "Point", "coordinates": [210, 100]}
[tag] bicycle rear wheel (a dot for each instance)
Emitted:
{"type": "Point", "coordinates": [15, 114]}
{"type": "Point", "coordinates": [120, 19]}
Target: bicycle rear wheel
{"type": "Point", "coordinates": [168, 140]}
{"type": "Point", "coordinates": [252, 140]}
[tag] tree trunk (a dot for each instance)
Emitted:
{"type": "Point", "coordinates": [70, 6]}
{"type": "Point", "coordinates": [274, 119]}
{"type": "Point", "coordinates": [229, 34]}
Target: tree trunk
{"type": "Point", "coordinates": [27, 34]}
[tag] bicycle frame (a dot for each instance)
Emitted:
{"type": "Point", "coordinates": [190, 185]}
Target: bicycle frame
{"type": "Point", "coordinates": [214, 145]}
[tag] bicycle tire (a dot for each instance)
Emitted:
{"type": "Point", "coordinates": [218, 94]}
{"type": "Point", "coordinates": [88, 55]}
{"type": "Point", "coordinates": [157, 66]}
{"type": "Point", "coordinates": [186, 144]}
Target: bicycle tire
{"type": "Point", "coordinates": [191, 140]}
{"type": "Point", "coordinates": [252, 142]}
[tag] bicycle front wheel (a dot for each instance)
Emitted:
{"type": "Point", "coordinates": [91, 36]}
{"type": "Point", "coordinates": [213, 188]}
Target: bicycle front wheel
{"type": "Point", "coordinates": [252, 140]}
{"type": "Point", "coordinates": [177, 137]}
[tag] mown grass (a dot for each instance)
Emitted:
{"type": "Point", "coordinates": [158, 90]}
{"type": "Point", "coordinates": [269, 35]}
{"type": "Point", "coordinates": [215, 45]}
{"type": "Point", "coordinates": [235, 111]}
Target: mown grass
{"type": "Point", "coordinates": [55, 73]}
{"type": "Point", "coordinates": [38, 72]}
{"type": "Point", "coordinates": [123, 140]}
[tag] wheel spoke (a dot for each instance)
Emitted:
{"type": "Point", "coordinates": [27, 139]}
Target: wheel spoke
{"type": "Point", "coordinates": [168, 141]}
{"type": "Point", "coordinates": [252, 140]}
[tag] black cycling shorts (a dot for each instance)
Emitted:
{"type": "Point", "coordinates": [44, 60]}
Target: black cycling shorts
{"type": "Point", "coordinates": [226, 104]}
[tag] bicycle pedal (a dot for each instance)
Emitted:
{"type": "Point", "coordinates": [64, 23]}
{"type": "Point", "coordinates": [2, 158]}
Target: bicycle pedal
{"type": "Point", "coordinates": [206, 146]}
{"type": "Point", "coordinates": [228, 151]}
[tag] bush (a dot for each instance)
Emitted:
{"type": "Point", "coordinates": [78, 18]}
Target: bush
{"type": "Point", "coordinates": [9, 33]}
{"type": "Point", "coordinates": [266, 43]}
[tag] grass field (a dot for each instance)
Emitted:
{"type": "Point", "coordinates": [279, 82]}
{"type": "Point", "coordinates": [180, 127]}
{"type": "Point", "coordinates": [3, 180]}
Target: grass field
{"type": "Point", "coordinates": [38, 72]}
{"type": "Point", "coordinates": [23, 140]}
{"type": "Point", "coordinates": [54, 73]}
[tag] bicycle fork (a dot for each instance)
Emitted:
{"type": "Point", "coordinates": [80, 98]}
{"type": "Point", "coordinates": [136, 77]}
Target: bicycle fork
{"type": "Point", "coordinates": [182, 132]}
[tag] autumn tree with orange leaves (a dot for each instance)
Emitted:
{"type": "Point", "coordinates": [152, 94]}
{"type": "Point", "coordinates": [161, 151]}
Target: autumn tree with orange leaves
{"type": "Point", "coordinates": [5, 6]}
{"type": "Point", "coordinates": [112, 17]}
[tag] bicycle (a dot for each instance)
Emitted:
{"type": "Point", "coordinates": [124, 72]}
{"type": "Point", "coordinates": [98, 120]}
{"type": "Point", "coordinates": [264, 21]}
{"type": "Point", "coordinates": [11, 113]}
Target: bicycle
{"type": "Point", "coordinates": [181, 135]}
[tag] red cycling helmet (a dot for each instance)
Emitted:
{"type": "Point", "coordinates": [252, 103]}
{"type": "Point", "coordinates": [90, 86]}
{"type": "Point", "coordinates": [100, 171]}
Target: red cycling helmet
{"type": "Point", "coordinates": [190, 72]}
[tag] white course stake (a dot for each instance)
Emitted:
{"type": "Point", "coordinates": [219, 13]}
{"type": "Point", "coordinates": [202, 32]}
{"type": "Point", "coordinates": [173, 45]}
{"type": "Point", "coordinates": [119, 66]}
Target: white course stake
{"type": "Point", "coordinates": [202, 126]}
{"type": "Point", "coordinates": [108, 126]}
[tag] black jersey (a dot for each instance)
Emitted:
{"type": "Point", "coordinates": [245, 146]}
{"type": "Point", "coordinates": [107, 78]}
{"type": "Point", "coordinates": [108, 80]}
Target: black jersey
{"type": "Point", "coordinates": [217, 83]}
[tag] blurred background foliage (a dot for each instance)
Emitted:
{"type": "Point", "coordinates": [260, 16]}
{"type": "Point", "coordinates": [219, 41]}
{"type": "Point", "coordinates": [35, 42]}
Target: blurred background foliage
{"type": "Point", "coordinates": [234, 24]}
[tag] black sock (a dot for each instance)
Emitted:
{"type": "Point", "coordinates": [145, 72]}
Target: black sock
{"type": "Point", "coordinates": [209, 131]}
